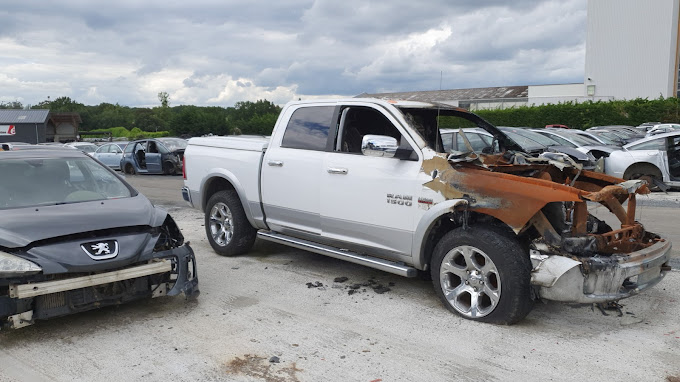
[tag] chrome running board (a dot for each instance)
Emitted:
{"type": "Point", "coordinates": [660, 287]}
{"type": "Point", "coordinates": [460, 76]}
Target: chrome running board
{"type": "Point", "coordinates": [352, 257]}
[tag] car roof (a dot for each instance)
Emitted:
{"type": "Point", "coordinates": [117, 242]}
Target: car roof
{"type": "Point", "coordinates": [42, 153]}
{"type": "Point", "coordinates": [653, 137]}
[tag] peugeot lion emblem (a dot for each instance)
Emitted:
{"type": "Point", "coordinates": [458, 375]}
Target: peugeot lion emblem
{"type": "Point", "coordinates": [101, 250]}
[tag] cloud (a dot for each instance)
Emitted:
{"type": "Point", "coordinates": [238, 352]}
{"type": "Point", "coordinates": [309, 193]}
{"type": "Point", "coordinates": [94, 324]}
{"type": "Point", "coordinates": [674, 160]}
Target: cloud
{"type": "Point", "coordinates": [208, 52]}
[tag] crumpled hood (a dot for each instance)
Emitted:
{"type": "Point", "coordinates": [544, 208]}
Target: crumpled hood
{"type": "Point", "coordinates": [22, 226]}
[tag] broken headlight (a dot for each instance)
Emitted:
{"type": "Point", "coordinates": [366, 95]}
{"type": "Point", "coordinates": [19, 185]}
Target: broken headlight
{"type": "Point", "coordinates": [13, 266]}
{"type": "Point", "coordinates": [169, 236]}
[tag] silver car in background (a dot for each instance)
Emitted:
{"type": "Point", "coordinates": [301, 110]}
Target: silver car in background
{"type": "Point", "coordinates": [110, 154]}
{"type": "Point", "coordinates": [654, 159]}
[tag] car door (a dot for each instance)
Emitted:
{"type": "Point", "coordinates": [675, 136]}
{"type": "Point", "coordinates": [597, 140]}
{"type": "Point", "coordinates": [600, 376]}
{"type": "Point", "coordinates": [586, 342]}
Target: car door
{"type": "Point", "coordinates": [154, 164]}
{"type": "Point", "coordinates": [291, 169]}
{"type": "Point", "coordinates": [367, 202]}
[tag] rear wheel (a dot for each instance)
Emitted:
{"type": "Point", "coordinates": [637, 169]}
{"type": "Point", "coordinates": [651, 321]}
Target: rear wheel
{"type": "Point", "coordinates": [482, 274]}
{"type": "Point", "coordinates": [226, 225]}
{"type": "Point", "coordinates": [647, 172]}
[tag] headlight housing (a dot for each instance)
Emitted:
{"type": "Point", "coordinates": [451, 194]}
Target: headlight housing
{"type": "Point", "coordinates": [170, 236]}
{"type": "Point", "coordinates": [13, 266]}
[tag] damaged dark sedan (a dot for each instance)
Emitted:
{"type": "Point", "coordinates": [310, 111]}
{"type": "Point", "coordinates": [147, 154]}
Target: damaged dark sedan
{"type": "Point", "coordinates": [74, 236]}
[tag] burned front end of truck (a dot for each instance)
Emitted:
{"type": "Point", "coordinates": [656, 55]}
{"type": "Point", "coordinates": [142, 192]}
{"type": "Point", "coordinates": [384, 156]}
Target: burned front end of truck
{"type": "Point", "coordinates": [545, 203]}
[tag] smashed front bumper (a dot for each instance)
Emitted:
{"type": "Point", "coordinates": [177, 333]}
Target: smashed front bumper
{"type": "Point", "coordinates": [170, 273]}
{"type": "Point", "coordinates": [599, 279]}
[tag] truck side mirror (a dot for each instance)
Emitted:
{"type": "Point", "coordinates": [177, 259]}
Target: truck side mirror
{"type": "Point", "coordinates": [379, 146]}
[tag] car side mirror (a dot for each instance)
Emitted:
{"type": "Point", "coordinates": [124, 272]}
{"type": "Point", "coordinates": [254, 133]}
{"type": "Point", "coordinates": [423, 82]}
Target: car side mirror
{"type": "Point", "coordinates": [379, 146]}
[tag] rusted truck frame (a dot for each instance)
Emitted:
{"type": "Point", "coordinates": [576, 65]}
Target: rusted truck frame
{"type": "Point", "coordinates": [545, 204]}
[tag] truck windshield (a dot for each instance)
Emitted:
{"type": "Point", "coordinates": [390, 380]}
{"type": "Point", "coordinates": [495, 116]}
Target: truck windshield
{"type": "Point", "coordinates": [426, 122]}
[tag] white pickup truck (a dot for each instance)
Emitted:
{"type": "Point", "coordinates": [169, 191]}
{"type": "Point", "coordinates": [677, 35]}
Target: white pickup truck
{"type": "Point", "coordinates": [367, 181]}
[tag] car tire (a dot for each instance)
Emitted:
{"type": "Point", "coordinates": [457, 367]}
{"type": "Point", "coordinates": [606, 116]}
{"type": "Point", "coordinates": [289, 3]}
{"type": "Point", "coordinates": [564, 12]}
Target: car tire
{"type": "Point", "coordinates": [226, 225]}
{"type": "Point", "coordinates": [169, 168]}
{"type": "Point", "coordinates": [483, 274]}
{"type": "Point", "coordinates": [129, 169]}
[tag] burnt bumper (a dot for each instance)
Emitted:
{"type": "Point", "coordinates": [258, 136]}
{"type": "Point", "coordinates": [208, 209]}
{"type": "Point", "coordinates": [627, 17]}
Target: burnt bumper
{"type": "Point", "coordinates": [599, 279]}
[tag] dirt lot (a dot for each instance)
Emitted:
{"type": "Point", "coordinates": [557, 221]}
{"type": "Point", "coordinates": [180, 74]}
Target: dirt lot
{"type": "Point", "coordinates": [259, 306]}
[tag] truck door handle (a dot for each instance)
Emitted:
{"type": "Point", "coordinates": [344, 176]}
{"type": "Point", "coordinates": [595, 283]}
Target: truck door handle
{"type": "Point", "coordinates": [342, 171]}
{"type": "Point", "coordinates": [276, 163]}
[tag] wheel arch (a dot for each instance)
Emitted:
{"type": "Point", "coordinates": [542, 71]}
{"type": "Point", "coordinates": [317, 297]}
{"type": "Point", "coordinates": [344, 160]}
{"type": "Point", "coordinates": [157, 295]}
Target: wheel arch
{"type": "Point", "coordinates": [223, 180]}
{"type": "Point", "coordinates": [642, 167]}
{"type": "Point", "coordinates": [441, 219]}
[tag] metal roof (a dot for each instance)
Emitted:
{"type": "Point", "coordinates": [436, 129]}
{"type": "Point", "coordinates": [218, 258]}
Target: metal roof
{"type": "Point", "coordinates": [501, 92]}
{"type": "Point", "coordinates": [23, 116]}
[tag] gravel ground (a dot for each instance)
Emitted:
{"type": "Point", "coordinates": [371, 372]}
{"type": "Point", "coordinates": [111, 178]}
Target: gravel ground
{"type": "Point", "coordinates": [259, 306]}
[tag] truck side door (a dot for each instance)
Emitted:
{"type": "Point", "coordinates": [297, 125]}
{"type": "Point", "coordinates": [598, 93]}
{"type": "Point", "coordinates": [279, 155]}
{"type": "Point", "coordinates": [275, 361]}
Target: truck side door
{"type": "Point", "coordinates": [369, 204]}
{"type": "Point", "coordinates": [291, 169]}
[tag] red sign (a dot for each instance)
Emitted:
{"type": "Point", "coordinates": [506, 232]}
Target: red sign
{"type": "Point", "coordinates": [7, 130]}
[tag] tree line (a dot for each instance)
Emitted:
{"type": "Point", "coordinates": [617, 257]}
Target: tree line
{"type": "Point", "coordinates": [259, 117]}
{"type": "Point", "coordinates": [185, 120]}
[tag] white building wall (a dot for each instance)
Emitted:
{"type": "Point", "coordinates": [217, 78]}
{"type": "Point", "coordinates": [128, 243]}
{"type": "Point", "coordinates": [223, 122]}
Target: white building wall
{"type": "Point", "coordinates": [632, 48]}
{"type": "Point", "coordinates": [546, 94]}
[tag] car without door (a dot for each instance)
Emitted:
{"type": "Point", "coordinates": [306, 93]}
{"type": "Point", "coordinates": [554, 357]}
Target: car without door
{"type": "Point", "coordinates": [154, 156]}
{"type": "Point", "coordinates": [655, 159]}
{"type": "Point", "coordinates": [74, 236]}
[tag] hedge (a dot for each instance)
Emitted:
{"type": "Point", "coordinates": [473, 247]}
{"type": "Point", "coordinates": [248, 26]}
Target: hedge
{"type": "Point", "coordinates": [587, 114]}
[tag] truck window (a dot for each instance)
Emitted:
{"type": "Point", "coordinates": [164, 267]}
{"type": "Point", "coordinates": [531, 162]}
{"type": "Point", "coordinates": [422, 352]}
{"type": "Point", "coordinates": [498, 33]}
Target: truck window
{"type": "Point", "coordinates": [358, 121]}
{"type": "Point", "coordinates": [308, 128]}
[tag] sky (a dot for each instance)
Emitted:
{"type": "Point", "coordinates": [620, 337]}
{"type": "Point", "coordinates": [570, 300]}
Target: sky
{"type": "Point", "coordinates": [217, 53]}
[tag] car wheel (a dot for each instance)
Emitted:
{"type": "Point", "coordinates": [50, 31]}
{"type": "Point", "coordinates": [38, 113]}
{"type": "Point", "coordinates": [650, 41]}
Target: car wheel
{"type": "Point", "coordinates": [169, 168]}
{"type": "Point", "coordinates": [129, 169]}
{"type": "Point", "coordinates": [226, 225]}
{"type": "Point", "coordinates": [482, 274]}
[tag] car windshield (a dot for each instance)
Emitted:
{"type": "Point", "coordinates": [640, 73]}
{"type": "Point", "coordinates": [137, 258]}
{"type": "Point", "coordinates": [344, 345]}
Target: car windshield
{"type": "Point", "coordinates": [174, 143]}
{"type": "Point", "coordinates": [53, 181]}
{"type": "Point", "coordinates": [579, 140]}
{"type": "Point", "coordinates": [607, 137]}
{"type": "Point", "coordinates": [534, 136]}
{"type": "Point", "coordinates": [86, 148]}
{"type": "Point", "coordinates": [525, 142]}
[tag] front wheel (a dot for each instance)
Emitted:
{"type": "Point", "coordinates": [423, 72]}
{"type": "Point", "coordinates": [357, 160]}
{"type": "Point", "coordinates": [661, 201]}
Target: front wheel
{"type": "Point", "coordinates": [226, 225]}
{"type": "Point", "coordinates": [482, 274]}
{"type": "Point", "coordinates": [169, 168]}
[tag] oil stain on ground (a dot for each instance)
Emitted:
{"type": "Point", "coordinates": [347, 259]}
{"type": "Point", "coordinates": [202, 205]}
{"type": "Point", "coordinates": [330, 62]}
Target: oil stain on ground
{"type": "Point", "coordinates": [260, 367]}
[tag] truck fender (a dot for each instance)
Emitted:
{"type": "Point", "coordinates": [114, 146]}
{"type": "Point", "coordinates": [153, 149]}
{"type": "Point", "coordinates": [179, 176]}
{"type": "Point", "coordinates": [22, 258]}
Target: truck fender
{"type": "Point", "coordinates": [425, 226]}
{"type": "Point", "coordinates": [231, 178]}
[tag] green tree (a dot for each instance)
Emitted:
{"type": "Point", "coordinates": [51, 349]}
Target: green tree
{"type": "Point", "coordinates": [164, 98]}
{"type": "Point", "coordinates": [11, 105]}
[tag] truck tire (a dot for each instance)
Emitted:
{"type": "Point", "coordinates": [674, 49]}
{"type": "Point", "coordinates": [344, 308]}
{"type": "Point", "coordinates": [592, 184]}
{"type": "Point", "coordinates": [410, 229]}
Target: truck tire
{"type": "Point", "coordinates": [482, 274]}
{"type": "Point", "coordinates": [226, 225]}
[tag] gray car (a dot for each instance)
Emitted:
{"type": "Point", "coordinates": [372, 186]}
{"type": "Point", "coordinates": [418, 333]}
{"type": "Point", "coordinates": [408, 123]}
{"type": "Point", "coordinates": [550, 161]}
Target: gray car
{"type": "Point", "coordinates": [75, 236]}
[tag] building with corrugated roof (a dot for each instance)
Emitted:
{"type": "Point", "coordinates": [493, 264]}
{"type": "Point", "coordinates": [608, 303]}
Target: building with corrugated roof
{"type": "Point", "coordinates": [38, 126]}
{"type": "Point", "coordinates": [28, 126]}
